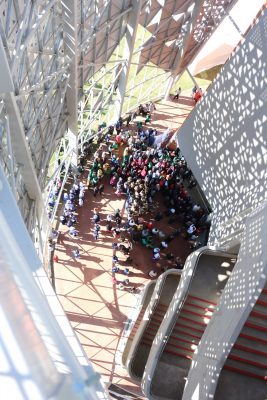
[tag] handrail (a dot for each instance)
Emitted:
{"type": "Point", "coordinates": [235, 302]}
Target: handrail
{"type": "Point", "coordinates": [171, 326]}
{"type": "Point", "coordinates": [151, 309]}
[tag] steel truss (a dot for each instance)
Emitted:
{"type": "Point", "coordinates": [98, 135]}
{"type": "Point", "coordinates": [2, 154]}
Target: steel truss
{"type": "Point", "coordinates": [69, 66]}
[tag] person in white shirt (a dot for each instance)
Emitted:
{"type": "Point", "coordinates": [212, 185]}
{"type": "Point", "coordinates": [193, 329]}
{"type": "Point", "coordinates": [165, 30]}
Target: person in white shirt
{"type": "Point", "coordinates": [151, 107]}
{"type": "Point", "coordinates": [177, 94]}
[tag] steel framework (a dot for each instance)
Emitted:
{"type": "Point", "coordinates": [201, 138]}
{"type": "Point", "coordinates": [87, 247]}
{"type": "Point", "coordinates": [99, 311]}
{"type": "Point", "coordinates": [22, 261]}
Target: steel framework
{"type": "Point", "coordinates": [68, 66]}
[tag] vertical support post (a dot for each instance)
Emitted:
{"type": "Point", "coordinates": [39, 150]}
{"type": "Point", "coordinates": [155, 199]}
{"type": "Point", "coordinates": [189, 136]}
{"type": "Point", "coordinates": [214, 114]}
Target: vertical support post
{"type": "Point", "coordinates": [11, 157]}
{"type": "Point", "coordinates": [193, 79]}
{"type": "Point", "coordinates": [71, 47]}
{"type": "Point", "coordinates": [131, 30]}
{"type": "Point", "coordinates": [182, 46]}
{"type": "Point", "coordinates": [23, 157]}
{"type": "Point", "coordinates": [172, 80]}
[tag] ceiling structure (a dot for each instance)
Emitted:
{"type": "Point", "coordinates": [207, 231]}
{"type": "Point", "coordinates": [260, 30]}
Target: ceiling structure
{"type": "Point", "coordinates": [67, 66]}
{"type": "Point", "coordinates": [180, 29]}
{"type": "Point", "coordinates": [224, 40]}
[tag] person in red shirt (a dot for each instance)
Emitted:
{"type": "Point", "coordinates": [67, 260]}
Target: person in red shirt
{"type": "Point", "coordinates": [197, 96]}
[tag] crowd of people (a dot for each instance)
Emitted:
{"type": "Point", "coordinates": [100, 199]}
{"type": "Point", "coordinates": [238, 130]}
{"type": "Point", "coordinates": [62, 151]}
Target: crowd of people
{"type": "Point", "coordinates": [74, 197]}
{"type": "Point", "coordinates": [145, 176]}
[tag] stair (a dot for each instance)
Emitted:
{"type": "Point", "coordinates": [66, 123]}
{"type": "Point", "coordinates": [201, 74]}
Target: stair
{"type": "Point", "coordinates": [184, 328]}
{"type": "Point", "coordinates": [189, 328]}
{"type": "Point", "coordinates": [149, 328]}
{"type": "Point", "coordinates": [249, 354]}
{"type": "Point", "coordinates": [154, 323]}
{"type": "Point", "coordinates": [145, 301]}
{"type": "Point", "coordinates": [137, 323]}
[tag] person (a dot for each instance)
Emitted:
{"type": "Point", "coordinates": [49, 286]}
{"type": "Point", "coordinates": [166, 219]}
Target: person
{"type": "Point", "coordinates": [65, 197]}
{"type": "Point", "coordinates": [151, 107]}
{"type": "Point", "coordinates": [76, 253]}
{"type": "Point", "coordinates": [114, 281]}
{"type": "Point", "coordinates": [152, 273]}
{"type": "Point", "coordinates": [170, 256]}
{"type": "Point", "coordinates": [115, 259]}
{"type": "Point", "coordinates": [51, 245]}
{"type": "Point", "coordinates": [178, 264]}
{"type": "Point", "coordinates": [131, 223]}
{"type": "Point", "coordinates": [97, 227]}
{"type": "Point", "coordinates": [117, 214]}
{"type": "Point", "coordinates": [63, 219]}
{"type": "Point", "coordinates": [123, 249]}
{"type": "Point", "coordinates": [54, 234]}
{"type": "Point", "coordinates": [196, 208]}
{"type": "Point", "coordinates": [161, 234]}
{"type": "Point", "coordinates": [109, 218]}
{"type": "Point", "coordinates": [118, 126]}
{"type": "Point", "coordinates": [159, 216]}
{"type": "Point", "coordinates": [96, 231]}
{"type": "Point", "coordinates": [139, 125]}
{"type": "Point", "coordinates": [116, 231]}
{"type": "Point", "coordinates": [164, 245]}
{"type": "Point", "coordinates": [148, 118]}
{"type": "Point", "coordinates": [191, 229]}
{"type": "Point", "coordinates": [73, 231]}
{"type": "Point", "coordinates": [96, 190]}
{"type": "Point", "coordinates": [128, 120]}
{"type": "Point", "coordinates": [94, 180]}
{"type": "Point", "coordinates": [101, 188]}
{"type": "Point", "coordinates": [96, 217]}
{"type": "Point", "coordinates": [149, 225]}
{"type": "Point", "coordinates": [197, 95]}
{"type": "Point", "coordinates": [109, 222]}
{"type": "Point", "coordinates": [177, 94]}
{"type": "Point", "coordinates": [145, 233]}
{"type": "Point", "coordinates": [194, 90]}
{"type": "Point", "coordinates": [193, 244]}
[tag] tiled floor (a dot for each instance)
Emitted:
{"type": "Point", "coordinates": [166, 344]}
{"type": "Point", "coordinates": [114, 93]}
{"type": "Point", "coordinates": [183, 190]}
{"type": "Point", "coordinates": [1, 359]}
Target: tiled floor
{"type": "Point", "coordinates": [96, 308]}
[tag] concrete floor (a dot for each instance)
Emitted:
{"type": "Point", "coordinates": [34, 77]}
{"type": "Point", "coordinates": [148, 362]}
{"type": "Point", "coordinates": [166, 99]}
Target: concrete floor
{"type": "Point", "coordinates": [163, 385]}
{"type": "Point", "coordinates": [95, 307]}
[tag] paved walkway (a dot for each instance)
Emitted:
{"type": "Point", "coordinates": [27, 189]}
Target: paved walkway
{"type": "Point", "coordinates": [96, 308]}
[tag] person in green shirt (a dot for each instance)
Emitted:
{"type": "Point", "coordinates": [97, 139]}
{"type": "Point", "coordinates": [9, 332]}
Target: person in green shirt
{"type": "Point", "coordinates": [95, 165]}
{"type": "Point", "coordinates": [148, 118]}
{"type": "Point", "coordinates": [94, 179]}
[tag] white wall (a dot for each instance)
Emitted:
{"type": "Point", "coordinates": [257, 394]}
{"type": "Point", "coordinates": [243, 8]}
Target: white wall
{"type": "Point", "coordinates": [224, 138]}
